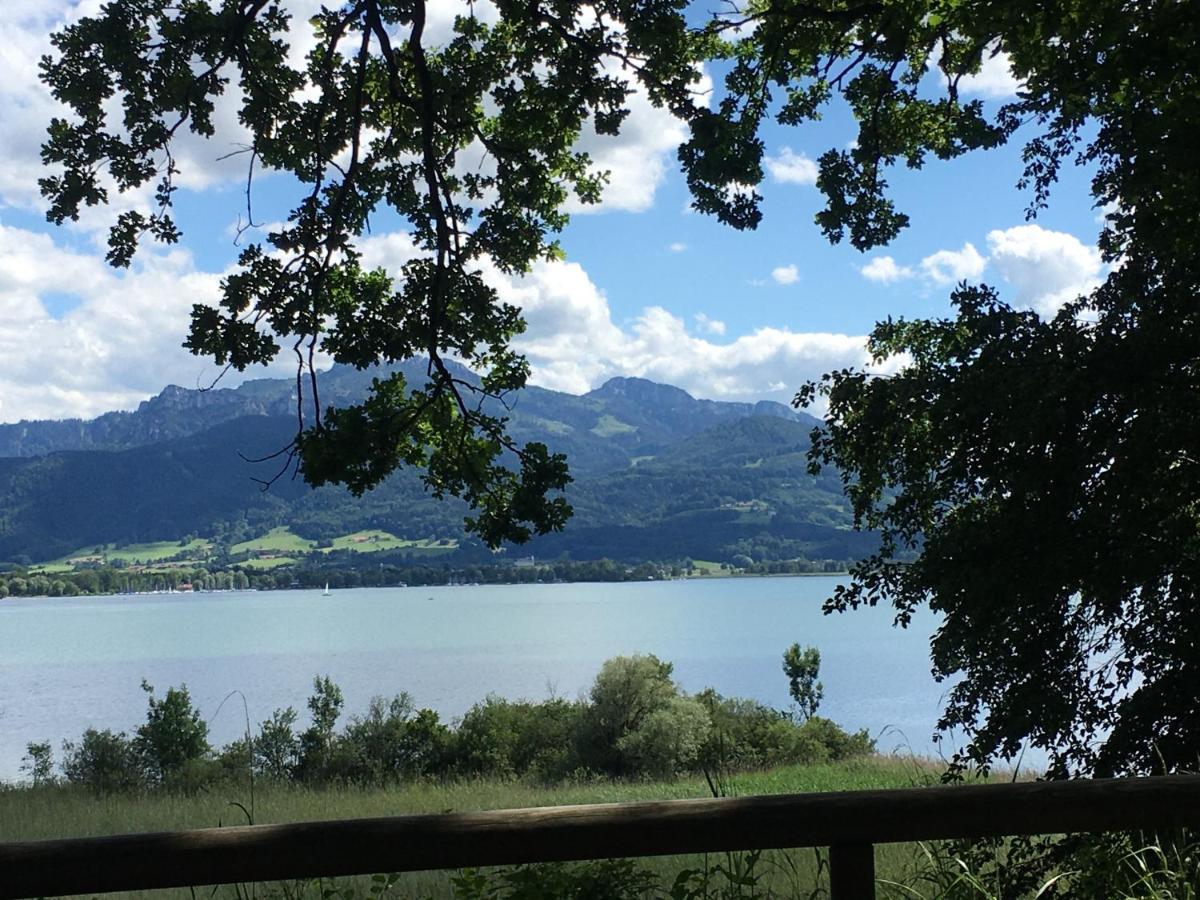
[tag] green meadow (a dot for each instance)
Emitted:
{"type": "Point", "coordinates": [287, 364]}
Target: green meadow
{"type": "Point", "coordinates": [58, 811]}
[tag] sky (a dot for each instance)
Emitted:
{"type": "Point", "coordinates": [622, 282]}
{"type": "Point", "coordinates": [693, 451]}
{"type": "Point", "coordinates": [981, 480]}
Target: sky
{"type": "Point", "coordinates": [648, 287]}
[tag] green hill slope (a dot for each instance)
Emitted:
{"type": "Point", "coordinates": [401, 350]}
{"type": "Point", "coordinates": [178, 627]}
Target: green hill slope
{"type": "Point", "coordinates": [659, 474]}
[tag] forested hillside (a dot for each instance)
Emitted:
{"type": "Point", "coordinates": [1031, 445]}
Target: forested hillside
{"type": "Point", "coordinates": [658, 474]}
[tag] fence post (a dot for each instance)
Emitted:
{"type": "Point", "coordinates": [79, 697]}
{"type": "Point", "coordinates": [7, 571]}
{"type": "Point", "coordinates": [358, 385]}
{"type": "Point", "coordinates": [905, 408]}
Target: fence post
{"type": "Point", "coordinates": [852, 872]}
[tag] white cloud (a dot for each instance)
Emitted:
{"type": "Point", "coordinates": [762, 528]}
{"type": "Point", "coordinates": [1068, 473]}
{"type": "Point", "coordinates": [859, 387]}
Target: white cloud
{"type": "Point", "coordinates": [884, 270]}
{"type": "Point", "coordinates": [121, 344]}
{"type": "Point", "coordinates": [573, 345]}
{"type": "Point", "coordinates": [731, 192]}
{"type": "Point", "coordinates": [788, 274]}
{"type": "Point", "coordinates": [995, 78]}
{"type": "Point", "coordinates": [636, 159]}
{"type": "Point", "coordinates": [791, 168]}
{"type": "Point", "coordinates": [1047, 268]}
{"type": "Point", "coordinates": [677, 247]}
{"type": "Point", "coordinates": [26, 106]}
{"type": "Point", "coordinates": [117, 346]}
{"type": "Point", "coordinates": [952, 266]}
{"type": "Point", "coordinates": [440, 15]}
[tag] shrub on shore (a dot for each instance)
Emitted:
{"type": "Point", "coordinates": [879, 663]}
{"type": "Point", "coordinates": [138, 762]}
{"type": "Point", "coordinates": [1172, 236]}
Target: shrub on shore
{"type": "Point", "coordinates": [635, 723]}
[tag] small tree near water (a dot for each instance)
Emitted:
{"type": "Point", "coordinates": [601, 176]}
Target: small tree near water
{"type": "Point", "coordinates": [174, 733]}
{"type": "Point", "coordinates": [38, 763]}
{"type": "Point", "coordinates": [802, 666]}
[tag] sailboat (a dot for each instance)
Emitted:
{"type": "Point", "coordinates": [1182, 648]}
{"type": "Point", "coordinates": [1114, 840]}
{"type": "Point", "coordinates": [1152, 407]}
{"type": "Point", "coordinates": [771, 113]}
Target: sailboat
{"type": "Point", "coordinates": [325, 593]}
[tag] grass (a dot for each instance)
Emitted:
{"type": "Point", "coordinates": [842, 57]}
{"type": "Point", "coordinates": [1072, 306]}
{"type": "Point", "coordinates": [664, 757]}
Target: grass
{"type": "Point", "coordinates": [374, 541]}
{"type": "Point", "coordinates": [277, 540]}
{"type": "Point", "coordinates": [280, 544]}
{"type": "Point", "coordinates": [921, 871]}
{"type": "Point", "coordinates": [198, 550]}
{"type": "Point", "coordinates": [609, 426]}
{"type": "Point", "coordinates": [711, 568]}
{"type": "Point", "coordinates": [284, 544]}
{"type": "Point", "coordinates": [273, 562]}
{"type": "Point", "coordinates": [46, 813]}
{"type": "Point", "coordinates": [54, 568]}
{"type": "Point", "coordinates": [43, 813]}
{"type": "Point", "coordinates": [160, 550]}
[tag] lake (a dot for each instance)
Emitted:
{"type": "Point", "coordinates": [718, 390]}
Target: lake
{"type": "Point", "coordinates": [73, 662]}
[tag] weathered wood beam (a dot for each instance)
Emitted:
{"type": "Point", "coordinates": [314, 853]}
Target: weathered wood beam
{"type": "Point", "coordinates": [546, 834]}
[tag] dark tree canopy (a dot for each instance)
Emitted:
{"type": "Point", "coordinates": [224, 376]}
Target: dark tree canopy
{"type": "Point", "coordinates": [1035, 480]}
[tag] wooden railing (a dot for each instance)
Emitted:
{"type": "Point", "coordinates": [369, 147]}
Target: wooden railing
{"type": "Point", "coordinates": [849, 823]}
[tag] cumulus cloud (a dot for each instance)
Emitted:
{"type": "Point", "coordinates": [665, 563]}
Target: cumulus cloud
{"type": "Point", "coordinates": [573, 344]}
{"type": "Point", "coordinates": [788, 274]}
{"type": "Point", "coordinates": [637, 159]}
{"type": "Point", "coordinates": [790, 167]}
{"type": "Point", "coordinates": [82, 363]}
{"type": "Point", "coordinates": [119, 342]}
{"type": "Point", "coordinates": [884, 270]}
{"type": "Point", "coordinates": [26, 106]}
{"type": "Point", "coordinates": [677, 247]}
{"type": "Point", "coordinates": [1047, 268]}
{"type": "Point", "coordinates": [995, 78]}
{"type": "Point", "coordinates": [952, 266]}
{"type": "Point", "coordinates": [118, 345]}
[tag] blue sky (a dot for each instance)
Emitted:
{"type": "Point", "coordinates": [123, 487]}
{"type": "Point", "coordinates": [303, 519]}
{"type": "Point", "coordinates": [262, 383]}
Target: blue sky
{"type": "Point", "coordinates": [648, 287]}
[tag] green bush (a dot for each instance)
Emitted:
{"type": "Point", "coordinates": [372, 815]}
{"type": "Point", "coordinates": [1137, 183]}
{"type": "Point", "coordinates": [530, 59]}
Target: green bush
{"type": "Point", "coordinates": [636, 723]}
{"type": "Point", "coordinates": [626, 691]}
{"type": "Point", "coordinates": [749, 735]}
{"type": "Point", "coordinates": [392, 743]}
{"type": "Point", "coordinates": [276, 750]}
{"type": "Point", "coordinates": [38, 763]}
{"type": "Point", "coordinates": [608, 879]}
{"type": "Point", "coordinates": [503, 738]}
{"type": "Point", "coordinates": [316, 755]}
{"type": "Point", "coordinates": [745, 734]}
{"type": "Point", "coordinates": [174, 734]}
{"type": "Point", "coordinates": [839, 743]}
{"type": "Point", "coordinates": [486, 738]}
{"type": "Point", "coordinates": [104, 762]}
{"type": "Point", "coordinates": [802, 666]}
{"type": "Point", "coordinates": [667, 741]}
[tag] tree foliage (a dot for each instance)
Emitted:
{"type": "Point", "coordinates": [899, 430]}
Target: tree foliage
{"type": "Point", "coordinates": [173, 735]}
{"type": "Point", "coordinates": [471, 143]}
{"type": "Point", "coordinates": [802, 668]}
{"type": "Point", "coordinates": [1035, 479]}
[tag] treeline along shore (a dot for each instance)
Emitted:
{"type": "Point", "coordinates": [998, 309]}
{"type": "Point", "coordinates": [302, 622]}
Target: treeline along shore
{"type": "Point", "coordinates": [118, 579]}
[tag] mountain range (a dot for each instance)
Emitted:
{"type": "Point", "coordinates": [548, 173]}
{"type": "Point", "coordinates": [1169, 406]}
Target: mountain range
{"type": "Point", "coordinates": [658, 474]}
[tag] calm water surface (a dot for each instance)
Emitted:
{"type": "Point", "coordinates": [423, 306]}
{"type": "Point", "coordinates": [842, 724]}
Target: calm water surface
{"type": "Point", "coordinates": [73, 662]}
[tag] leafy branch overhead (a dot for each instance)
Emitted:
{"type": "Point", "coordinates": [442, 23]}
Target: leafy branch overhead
{"type": "Point", "coordinates": [471, 143]}
{"type": "Point", "coordinates": [1036, 480]}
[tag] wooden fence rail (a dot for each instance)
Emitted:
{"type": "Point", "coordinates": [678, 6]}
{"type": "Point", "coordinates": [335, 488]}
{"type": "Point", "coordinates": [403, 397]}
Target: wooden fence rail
{"type": "Point", "coordinates": [849, 822]}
